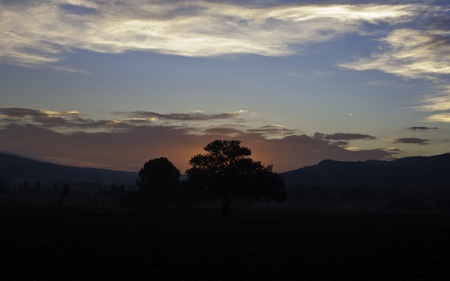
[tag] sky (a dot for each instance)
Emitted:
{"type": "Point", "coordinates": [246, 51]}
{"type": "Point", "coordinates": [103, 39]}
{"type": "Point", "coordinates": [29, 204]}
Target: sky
{"type": "Point", "coordinates": [113, 84]}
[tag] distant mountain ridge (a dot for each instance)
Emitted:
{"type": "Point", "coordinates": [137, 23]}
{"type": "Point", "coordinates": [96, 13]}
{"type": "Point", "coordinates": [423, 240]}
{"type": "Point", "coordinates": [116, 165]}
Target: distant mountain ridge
{"type": "Point", "coordinates": [17, 168]}
{"type": "Point", "coordinates": [405, 173]}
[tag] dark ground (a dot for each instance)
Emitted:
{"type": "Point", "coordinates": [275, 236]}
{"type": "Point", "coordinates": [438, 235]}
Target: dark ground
{"type": "Point", "coordinates": [38, 244]}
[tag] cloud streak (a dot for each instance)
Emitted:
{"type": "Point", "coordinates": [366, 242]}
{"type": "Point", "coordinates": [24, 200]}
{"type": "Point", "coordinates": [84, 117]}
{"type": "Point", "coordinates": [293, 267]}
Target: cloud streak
{"type": "Point", "coordinates": [45, 32]}
{"type": "Point", "coordinates": [344, 136]}
{"type": "Point", "coordinates": [193, 116]}
{"type": "Point", "coordinates": [422, 128]}
{"type": "Point", "coordinates": [418, 141]}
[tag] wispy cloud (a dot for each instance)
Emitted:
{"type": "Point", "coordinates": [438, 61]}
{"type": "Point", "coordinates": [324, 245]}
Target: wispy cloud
{"type": "Point", "coordinates": [439, 102]}
{"type": "Point", "coordinates": [440, 117]}
{"type": "Point", "coordinates": [45, 32]}
{"type": "Point", "coordinates": [436, 102]}
{"type": "Point", "coordinates": [410, 53]}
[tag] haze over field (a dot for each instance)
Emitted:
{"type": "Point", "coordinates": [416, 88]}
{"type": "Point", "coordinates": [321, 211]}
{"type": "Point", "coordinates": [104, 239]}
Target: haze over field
{"type": "Point", "coordinates": [114, 84]}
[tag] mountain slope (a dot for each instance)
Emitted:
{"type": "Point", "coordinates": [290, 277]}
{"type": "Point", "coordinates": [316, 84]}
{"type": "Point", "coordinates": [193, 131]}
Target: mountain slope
{"type": "Point", "coordinates": [15, 168]}
{"type": "Point", "coordinates": [408, 172]}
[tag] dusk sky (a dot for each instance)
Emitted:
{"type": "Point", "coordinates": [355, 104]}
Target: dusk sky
{"type": "Point", "coordinates": [112, 84]}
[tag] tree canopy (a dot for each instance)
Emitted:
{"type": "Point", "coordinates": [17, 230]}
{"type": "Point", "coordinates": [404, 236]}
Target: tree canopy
{"type": "Point", "coordinates": [157, 183]}
{"type": "Point", "coordinates": [158, 173]}
{"type": "Point", "coordinates": [226, 170]}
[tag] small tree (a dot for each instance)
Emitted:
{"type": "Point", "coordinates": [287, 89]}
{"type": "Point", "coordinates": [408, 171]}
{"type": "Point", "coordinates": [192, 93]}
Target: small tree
{"type": "Point", "coordinates": [157, 183]}
{"type": "Point", "coordinates": [226, 169]}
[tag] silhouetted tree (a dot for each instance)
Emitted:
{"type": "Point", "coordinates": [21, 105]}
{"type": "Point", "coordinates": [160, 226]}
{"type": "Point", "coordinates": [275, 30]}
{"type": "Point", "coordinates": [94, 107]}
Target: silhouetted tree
{"type": "Point", "coordinates": [226, 170]}
{"type": "Point", "coordinates": [157, 183]}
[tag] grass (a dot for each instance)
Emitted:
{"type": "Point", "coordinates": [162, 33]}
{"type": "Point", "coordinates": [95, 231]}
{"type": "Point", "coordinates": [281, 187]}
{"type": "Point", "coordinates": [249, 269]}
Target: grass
{"type": "Point", "coordinates": [88, 244]}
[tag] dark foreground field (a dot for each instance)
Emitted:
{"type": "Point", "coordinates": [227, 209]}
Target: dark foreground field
{"type": "Point", "coordinates": [193, 245]}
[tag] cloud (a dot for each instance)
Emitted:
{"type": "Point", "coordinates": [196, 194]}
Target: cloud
{"type": "Point", "coordinates": [344, 136]}
{"type": "Point", "coordinates": [417, 54]}
{"type": "Point", "coordinates": [436, 102]}
{"type": "Point", "coordinates": [45, 32]}
{"type": "Point", "coordinates": [124, 145]}
{"type": "Point", "coordinates": [410, 53]}
{"type": "Point", "coordinates": [194, 116]}
{"type": "Point", "coordinates": [73, 121]}
{"type": "Point", "coordinates": [273, 131]}
{"type": "Point", "coordinates": [38, 115]}
{"type": "Point", "coordinates": [14, 112]}
{"type": "Point", "coordinates": [422, 128]}
{"type": "Point", "coordinates": [418, 141]}
{"type": "Point", "coordinates": [440, 117]}
{"type": "Point", "coordinates": [61, 121]}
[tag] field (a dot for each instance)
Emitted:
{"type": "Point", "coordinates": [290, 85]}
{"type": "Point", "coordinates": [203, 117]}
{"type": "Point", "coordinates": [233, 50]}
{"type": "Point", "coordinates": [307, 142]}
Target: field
{"type": "Point", "coordinates": [91, 244]}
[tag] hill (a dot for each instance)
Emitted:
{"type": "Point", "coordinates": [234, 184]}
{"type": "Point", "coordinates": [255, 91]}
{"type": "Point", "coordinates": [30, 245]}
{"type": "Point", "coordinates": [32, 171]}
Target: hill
{"type": "Point", "coordinates": [405, 173]}
{"type": "Point", "coordinates": [16, 168]}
